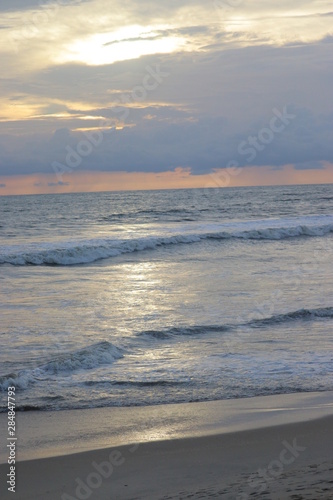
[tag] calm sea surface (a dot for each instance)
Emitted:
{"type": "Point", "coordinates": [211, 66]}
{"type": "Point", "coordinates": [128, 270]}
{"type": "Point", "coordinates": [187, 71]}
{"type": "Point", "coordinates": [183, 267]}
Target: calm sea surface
{"type": "Point", "coordinates": [140, 298]}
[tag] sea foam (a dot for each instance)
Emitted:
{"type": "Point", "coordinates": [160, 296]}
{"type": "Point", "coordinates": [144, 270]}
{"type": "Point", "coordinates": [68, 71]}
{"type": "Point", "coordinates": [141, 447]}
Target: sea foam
{"type": "Point", "coordinates": [87, 358]}
{"type": "Point", "coordinates": [88, 251]}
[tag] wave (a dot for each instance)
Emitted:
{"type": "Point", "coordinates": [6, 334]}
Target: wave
{"type": "Point", "coordinates": [89, 251]}
{"type": "Point", "coordinates": [3, 409]}
{"type": "Point", "coordinates": [184, 331]}
{"type": "Point", "coordinates": [87, 358]}
{"type": "Point", "coordinates": [300, 314]}
{"type": "Point", "coordinates": [149, 213]}
{"type": "Point", "coordinates": [105, 353]}
{"type": "Point", "coordinates": [135, 383]}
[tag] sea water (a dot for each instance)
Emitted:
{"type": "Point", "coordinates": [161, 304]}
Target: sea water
{"type": "Point", "coordinates": [150, 297]}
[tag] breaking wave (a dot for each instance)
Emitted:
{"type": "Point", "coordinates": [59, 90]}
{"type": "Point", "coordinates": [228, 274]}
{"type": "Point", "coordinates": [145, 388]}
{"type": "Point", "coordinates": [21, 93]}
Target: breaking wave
{"type": "Point", "coordinates": [87, 358]}
{"type": "Point", "coordinates": [301, 314]}
{"type": "Point", "coordinates": [105, 353]}
{"type": "Point", "coordinates": [89, 251]}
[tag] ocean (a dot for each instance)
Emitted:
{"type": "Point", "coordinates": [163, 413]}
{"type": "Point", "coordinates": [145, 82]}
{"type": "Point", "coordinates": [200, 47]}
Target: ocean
{"type": "Point", "coordinates": [150, 297]}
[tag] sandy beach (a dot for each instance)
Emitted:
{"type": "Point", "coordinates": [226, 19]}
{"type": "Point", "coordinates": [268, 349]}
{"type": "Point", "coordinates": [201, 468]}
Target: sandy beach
{"type": "Point", "coordinates": [276, 447]}
{"type": "Point", "coordinates": [166, 247]}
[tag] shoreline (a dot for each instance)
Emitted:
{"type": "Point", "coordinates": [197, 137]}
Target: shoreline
{"type": "Point", "coordinates": [43, 434]}
{"type": "Point", "coordinates": [278, 456]}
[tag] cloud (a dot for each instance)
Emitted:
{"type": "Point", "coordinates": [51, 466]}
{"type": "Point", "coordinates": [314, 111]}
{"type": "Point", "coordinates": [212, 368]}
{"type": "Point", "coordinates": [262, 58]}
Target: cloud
{"type": "Point", "coordinates": [165, 139]}
{"type": "Point", "coordinates": [310, 165]}
{"type": "Point", "coordinates": [327, 39]}
{"type": "Point", "coordinates": [234, 66]}
{"type": "Point", "coordinates": [22, 5]}
{"type": "Point", "coordinates": [14, 5]}
{"type": "Point", "coordinates": [59, 183]}
{"type": "Point", "coordinates": [2, 185]}
{"type": "Point", "coordinates": [158, 34]}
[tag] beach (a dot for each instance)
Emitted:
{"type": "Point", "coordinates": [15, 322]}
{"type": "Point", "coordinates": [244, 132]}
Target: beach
{"type": "Point", "coordinates": [274, 447]}
{"type": "Point", "coordinates": [167, 344]}
{"type": "Point", "coordinates": [166, 248]}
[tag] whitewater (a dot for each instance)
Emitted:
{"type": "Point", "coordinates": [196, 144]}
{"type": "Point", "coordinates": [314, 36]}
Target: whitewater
{"type": "Point", "coordinates": [87, 251]}
{"type": "Point", "coordinates": [140, 298]}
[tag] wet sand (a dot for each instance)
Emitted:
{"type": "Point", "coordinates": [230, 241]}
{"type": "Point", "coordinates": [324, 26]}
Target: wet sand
{"type": "Point", "coordinates": [278, 447]}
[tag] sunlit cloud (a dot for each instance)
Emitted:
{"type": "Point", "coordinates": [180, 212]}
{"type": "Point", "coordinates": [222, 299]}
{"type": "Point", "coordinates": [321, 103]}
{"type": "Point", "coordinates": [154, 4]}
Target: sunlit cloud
{"type": "Point", "coordinates": [76, 67]}
{"type": "Point", "coordinates": [125, 44]}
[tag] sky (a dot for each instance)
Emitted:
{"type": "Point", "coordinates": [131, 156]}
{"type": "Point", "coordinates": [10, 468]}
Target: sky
{"type": "Point", "coordinates": [108, 95]}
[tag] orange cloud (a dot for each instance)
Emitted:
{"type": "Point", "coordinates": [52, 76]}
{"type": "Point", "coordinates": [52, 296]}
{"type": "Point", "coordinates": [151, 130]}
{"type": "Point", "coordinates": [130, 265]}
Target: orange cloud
{"type": "Point", "coordinates": [177, 179]}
